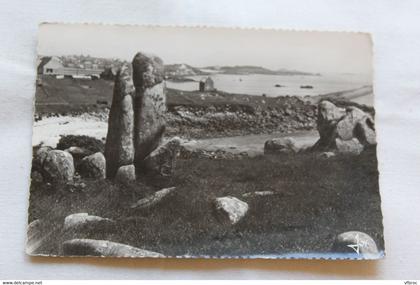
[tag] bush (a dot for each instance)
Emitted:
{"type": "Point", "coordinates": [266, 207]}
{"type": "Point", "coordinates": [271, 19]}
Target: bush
{"type": "Point", "coordinates": [91, 144]}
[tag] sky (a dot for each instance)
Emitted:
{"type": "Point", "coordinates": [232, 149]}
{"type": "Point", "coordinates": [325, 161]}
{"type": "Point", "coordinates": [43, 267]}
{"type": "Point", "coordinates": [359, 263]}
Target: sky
{"type": "Point", "coordinates": [323, 52]}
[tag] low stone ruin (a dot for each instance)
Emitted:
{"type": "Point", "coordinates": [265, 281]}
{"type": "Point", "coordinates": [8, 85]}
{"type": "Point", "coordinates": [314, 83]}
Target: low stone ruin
{"type": "Point", "coordinates": [345, 130]}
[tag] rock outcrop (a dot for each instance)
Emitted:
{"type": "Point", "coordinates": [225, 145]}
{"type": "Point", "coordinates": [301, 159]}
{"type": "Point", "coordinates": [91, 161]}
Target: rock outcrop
{"type": "Point", "coordinates": [149, 105]}
{"type": "Point", "coordinates": [283, 114]}
{"type": "Point", "coordinates": [280, 145]}
{"type": "Point", "coordinates": [57, 166]}
{"type": "Point", "coordinates": [91, 247]}
{"type": "Point", "coordinates": [93, 166]}
{"type": "Point", "coordinates": [230, 209]}
{"type": "Point", "coordinates": [347, 130]}
{"type": "Point", "coordinates": [119, 147]}
{"type": "Point", "coordinates": [162, 160]}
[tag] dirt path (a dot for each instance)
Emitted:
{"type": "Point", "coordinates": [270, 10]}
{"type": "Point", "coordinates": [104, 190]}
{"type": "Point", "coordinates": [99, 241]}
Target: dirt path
{"type": "Point", "coordinates": [48, 131]}
{"type": "Point", "coordinates": [252, 144]}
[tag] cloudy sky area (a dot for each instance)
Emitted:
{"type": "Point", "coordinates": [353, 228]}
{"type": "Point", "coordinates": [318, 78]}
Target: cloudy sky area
{"type": "Point", "coordinates": [322, 52]}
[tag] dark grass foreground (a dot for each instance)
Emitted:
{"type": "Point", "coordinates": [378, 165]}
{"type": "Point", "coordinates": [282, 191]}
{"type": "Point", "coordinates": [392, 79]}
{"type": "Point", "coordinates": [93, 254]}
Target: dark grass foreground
{"type": "Point", "coordinates": [315, 199]}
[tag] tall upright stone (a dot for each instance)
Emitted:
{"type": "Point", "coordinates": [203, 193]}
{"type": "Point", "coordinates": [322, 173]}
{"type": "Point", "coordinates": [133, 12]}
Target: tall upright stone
{"type": "Point", "coordinates": [149, 105]}
{"type": "Point", "coordinates": [119, 147]}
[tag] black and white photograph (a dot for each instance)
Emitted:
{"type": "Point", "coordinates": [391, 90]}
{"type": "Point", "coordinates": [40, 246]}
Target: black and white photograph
{"type": "Point", "coordinates": [200, 142]}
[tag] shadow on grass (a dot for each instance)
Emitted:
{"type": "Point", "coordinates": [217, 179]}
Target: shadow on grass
{"type": "Point", "coordinates": [314, 200]}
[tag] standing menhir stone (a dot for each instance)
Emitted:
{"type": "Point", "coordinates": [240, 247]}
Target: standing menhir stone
{"type": "Point", "coordinates": [119, 148]}
{"type": "Point", "coordinates": [149, 105]}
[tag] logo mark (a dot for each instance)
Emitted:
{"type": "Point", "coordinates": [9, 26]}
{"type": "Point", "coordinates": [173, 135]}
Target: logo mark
{"type": "Point", "coordinates": [358, 245]}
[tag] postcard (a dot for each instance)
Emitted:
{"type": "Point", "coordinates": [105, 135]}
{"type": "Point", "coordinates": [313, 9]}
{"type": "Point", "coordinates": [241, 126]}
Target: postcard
{"type": "Point", "coordinates": [203, 142]}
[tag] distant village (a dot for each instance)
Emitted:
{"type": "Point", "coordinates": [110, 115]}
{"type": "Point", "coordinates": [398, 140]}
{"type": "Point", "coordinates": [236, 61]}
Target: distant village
{"type": "Point", "coordinates": [86, 67]}
{"type": "Point", "coordinates": [83, 67]}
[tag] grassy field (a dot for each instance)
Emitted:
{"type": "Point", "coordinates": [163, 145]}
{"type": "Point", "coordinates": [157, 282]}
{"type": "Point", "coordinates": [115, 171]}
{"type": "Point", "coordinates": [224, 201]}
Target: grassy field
{"type": "Point", "coordinates": [69, 95]}
{"type": "Point", "coordinates": [64, 96]}
{"type": "Point", "coordinates": [315, 199]}
{"type": "Point", "coordinates": [218, 98]}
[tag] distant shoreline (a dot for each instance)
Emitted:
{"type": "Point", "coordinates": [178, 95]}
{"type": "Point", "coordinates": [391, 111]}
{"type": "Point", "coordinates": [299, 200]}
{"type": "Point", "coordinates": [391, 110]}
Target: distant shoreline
{"type": "Point", "coordinates": [191, 114]}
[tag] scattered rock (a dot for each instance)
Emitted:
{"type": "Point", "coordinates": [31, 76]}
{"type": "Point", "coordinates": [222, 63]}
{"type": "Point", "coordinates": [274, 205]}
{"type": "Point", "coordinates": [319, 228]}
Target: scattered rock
{"type": "Point", "coordinates": [230, 209]}
{"type": "Point", "coordinates": [258, 193]}
{"type": "Point", "coordinates": [119, 147]}
{"type": "Point", "coordinates": [352, 146]}
{"type": "Point", "coordinates": [345, 127]}
{"type": "Point", "coordinates": [154, 199]}
{"type": "Point", "coordinates": [126, 173]}
{"type": "Point", "coordinates": [188, 152]}
{"type": "Point", "coordinates": [280, 145]}
{"type": "Point", "coordinates": [78, 152]}
{"type": "Point", "coordinates": [327, 154]}
{"type": "Point", "coordinates": [149, 105]}
{"type": "Point", "coordinates": [58, 166]}
{"type": "Point", "coordinates": [93, 166]}
{"type": "Point", "coordinates": [81, 220]}
{"type": "Point", "coordinates": [355, 242]}
{"type": "Point", "coordinates": [91, 247]}
{"type": "Point", "coordinates": [163, 159]}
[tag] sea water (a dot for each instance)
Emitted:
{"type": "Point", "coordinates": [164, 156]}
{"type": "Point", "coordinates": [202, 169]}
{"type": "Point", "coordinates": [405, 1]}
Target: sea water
{"type": "Point", "coordinates": [259, 84]}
